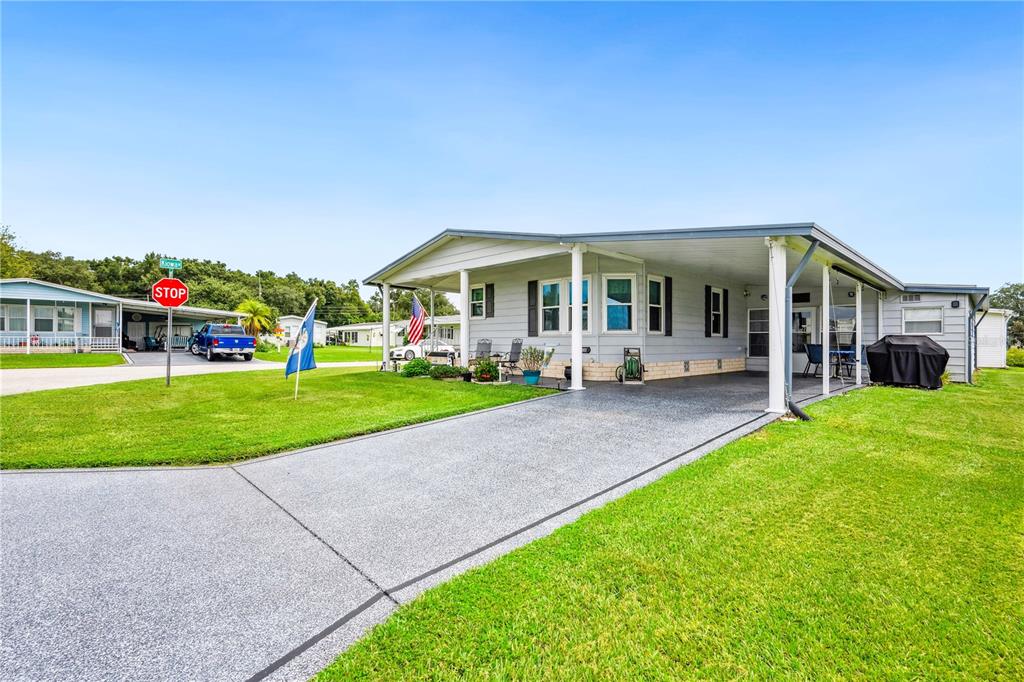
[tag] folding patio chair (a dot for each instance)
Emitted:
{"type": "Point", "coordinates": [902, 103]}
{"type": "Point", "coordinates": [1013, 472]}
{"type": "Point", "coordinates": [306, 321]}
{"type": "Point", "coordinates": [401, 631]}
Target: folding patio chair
{"type": "Point", "coordinates": [482, 352]}
{"type": "Point", "coordinates": [510, 360]}
{"type": "Point", "coordinates": [813, 351]}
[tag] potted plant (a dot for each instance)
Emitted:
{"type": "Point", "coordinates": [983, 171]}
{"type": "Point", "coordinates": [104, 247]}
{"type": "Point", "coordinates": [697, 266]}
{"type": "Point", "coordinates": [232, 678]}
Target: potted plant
{"type": "Point", "coordinates": [486, 371]}
{"type": "Point", "coordinates": [531, 360]}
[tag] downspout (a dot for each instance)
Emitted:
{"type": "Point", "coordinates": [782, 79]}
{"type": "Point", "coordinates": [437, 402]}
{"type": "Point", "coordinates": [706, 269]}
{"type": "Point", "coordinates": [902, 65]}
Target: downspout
{"type": "Point", "coordinates": [972, 332]}
{"type": "Point", "coordinates": [788, 338]}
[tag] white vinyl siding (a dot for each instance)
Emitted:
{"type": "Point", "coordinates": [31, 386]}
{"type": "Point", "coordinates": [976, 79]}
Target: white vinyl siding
{"type": "Point", "coordinates": [953, 336]}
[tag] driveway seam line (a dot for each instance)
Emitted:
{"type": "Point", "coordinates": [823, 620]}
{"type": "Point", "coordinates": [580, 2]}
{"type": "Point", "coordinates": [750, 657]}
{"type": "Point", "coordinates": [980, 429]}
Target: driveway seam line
{"type": "Point", "coordinates": [326, 544]}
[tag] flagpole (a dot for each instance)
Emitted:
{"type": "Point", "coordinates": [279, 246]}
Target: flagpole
{"type": "Point", "coordinates": [298, 371]}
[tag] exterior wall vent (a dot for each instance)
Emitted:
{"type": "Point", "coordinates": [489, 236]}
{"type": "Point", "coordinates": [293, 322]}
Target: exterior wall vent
{"type": "Point", "coordinates": [686, 365]}
{"type": "Point", "coordinates": [910, 298]}
{"type": "Point", "coordinates": [719, 363]}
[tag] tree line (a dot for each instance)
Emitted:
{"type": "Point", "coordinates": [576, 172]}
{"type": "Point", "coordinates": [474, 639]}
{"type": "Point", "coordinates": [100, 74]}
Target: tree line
{"type": "Point", "coordinates": [211, 284]}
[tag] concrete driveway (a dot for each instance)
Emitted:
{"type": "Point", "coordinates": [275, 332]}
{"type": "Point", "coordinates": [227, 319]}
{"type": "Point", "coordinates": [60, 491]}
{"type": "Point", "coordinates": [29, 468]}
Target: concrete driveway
{"type": "Point", "coordinates": [268, 569]}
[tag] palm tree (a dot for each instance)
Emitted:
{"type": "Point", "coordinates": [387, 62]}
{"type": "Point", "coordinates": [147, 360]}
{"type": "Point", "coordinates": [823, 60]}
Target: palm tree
{"type": "Point", "coordinates": [258, 318]}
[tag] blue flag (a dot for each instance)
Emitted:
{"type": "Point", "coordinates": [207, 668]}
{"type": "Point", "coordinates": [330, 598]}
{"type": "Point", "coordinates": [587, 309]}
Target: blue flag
{"type": "Point", "coordinates": [301, 357]}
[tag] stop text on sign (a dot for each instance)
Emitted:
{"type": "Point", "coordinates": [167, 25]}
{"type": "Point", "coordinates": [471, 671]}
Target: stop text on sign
{"type": "Point", "coordinates": [170, 292]}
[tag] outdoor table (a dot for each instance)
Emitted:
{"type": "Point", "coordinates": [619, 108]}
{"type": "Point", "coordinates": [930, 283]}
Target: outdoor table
{"type": "Point", "coordinates": [836, 356]}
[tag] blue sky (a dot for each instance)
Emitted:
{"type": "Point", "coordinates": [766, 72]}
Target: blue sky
{"type": "Point", "coordinates": [330, 138]}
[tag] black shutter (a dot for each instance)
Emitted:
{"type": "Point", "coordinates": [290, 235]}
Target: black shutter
{"type": "Point", "coordinates": [488, 300]}
{"type": "Point", "coordinates": [666, 301]}
{"type": "Point", "coordinates": [531, 308]}
{"type": "Point", "coordinates": [725, 313]}
{"type": "Point", "coordinates": [707, 310]}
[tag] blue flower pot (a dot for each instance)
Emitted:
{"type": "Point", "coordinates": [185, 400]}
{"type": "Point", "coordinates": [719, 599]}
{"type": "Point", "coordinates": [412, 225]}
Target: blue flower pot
{"type": "Point", "coordinates": [531, 376]}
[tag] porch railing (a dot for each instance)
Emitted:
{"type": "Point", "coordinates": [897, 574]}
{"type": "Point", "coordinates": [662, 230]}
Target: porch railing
{"type": "Point", "coordinates": [59, 344]}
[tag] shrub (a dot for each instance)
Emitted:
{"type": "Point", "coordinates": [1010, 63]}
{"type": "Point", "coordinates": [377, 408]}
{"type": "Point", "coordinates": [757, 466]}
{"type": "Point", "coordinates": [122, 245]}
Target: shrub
{"type": "Point", "coordinates": [447, 371]}
{"type": "Point", "coordinates": [531, 359]}
{"type": "Point", "coordinates": [416, 368]}
{"type": "Point", "coordinates": [1015, 357]}
{"type": "Point", "coordinates": [264, 347]}
{"type": "Point", "coordinates": [486, 370]}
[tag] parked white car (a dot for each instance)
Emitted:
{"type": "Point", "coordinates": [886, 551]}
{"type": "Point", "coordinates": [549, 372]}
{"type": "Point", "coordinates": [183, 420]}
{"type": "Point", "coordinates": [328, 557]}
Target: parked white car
{"type": "Point", "coordinates": [418, 350]}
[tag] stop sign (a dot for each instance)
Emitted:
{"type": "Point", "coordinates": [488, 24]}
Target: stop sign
{"type": "Point", "coordinates": [170, 292]}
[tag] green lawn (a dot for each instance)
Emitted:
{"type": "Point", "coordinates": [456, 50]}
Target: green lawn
{"type": "Point", "coordinates": [885, 539]}
{"type": "Point", "coordinates": [39, 360]}
{"type": "Point", "coordinates": [223, 417]}
{"type": "Point", "coordinates": [330, 354]}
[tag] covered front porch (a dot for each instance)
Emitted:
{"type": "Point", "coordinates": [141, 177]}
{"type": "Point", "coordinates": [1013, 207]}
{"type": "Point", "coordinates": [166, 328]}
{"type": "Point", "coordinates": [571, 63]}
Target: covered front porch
{"type": "Point", "coordinates": [691, 303]}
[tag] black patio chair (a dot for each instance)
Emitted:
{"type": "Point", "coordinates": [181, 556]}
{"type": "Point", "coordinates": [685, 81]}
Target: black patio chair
{"type": "Point", "coordinates": [813, 351]}
{"type": "Point", "coordinates": [482, 352]}
{"type": "Point", "coordinates": [510, 361]}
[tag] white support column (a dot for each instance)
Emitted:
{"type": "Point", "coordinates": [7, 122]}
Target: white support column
{"type": "Point", "coordinates": [433, 325]}
{"type": "Point", "coordinates": [464, 318]}
{"type": "Point", "coordinates": [826, 302]}
{"type": "Point", "coordinates": [28, 326]}
{"type": "Point", "coordinates": [880, 333]}
{"type": "Point", "coordinates": [385, 343]}
{"type": "Point", "coordinates": [577, 318]}
{"type": "Point", "coordinates": [777, 345]}
{"type": "Point", "coordinates": [858, 334]}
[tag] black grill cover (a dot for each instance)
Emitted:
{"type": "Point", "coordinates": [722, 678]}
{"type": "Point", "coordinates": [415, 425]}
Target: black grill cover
{"type": "Point", "coordinates": [907, 361]}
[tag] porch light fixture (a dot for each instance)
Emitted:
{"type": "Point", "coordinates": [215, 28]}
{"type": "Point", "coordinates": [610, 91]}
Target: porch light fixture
{"type": "Point", "coordinates": [764, 297]}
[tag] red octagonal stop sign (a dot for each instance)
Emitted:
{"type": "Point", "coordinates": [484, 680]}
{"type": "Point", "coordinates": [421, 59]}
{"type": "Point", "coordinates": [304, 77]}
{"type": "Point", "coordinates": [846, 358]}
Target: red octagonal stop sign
{"type": "Point", "coordinates": [170, 292]}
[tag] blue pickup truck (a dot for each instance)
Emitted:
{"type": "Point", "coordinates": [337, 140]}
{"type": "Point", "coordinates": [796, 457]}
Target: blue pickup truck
{"type": "Point", "coordinates": [217, 340]}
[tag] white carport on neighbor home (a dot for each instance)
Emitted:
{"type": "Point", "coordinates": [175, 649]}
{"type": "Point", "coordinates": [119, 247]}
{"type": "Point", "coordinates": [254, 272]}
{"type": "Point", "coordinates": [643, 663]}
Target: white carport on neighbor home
{"type": "Point", "coordinates": [693, 301]}
{"type": "Point", "coordinates": [992, 338]}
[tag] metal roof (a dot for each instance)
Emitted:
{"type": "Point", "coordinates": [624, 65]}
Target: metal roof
{"type": "Point", "coordinates": [827, 241]}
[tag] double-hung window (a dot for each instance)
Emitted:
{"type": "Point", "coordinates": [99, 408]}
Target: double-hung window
{"type": "Point", "coordinates": [656, 304]}
{"type": "Point", "coordinates": [922, 320]}
{"type": "Point", "coordinates": [586, 303]}
{"type": "Point", "coordinates": [42, 318]}
{"type": "Point", "coordinates": [716, 311]}
{"type": "Point", "coordinates": [757, 333]}
{"type": "Point", "coordinates": [477, 301]}
{"type": "Point", "coordinates": [17, 320]}
{"type": "Point", "coordinates": [619, 313]}
{"type": "Point", "coordinates": [65, 318]}
{"type": "Point", "coordinates": [551, 306]}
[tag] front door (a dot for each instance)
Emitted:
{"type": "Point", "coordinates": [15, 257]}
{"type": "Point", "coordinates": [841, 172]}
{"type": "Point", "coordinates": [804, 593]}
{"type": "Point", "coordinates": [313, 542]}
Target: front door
{"type": "Point", "coordinates": [135, 331]}
{"type": "Point", "coordinates": [103, 322]}
{"type": "Point", "coordinates": [803, 332]}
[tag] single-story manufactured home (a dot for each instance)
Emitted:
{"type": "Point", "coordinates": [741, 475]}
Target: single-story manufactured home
{"type": "Point", "coordinates": [370, 333]}
{"type": "Point", "coordinates": [291, 324]}
{"type": "Point", "coordinates": [692, 301]}
{"type": "Point", "coordinates": [43, 317]}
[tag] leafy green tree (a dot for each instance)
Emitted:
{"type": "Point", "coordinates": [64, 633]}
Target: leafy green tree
{"type": "Point", "coordinates": [257, 318]}
{"type": "Point", "coordinates": [401, 303]}
{"type": "Point", "coordinates": [1011, 297]}
{"type": "Point", "coordinates": [13, 262]}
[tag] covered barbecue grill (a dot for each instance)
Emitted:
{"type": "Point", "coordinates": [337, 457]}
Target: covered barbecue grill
{"type": "Point", "coordinates": [907, 361]}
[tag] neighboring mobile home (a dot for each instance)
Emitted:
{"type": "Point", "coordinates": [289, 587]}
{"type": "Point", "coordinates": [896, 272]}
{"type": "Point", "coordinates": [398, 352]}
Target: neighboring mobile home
{"type": "Point", "coordinates": [291, 324]}
{"type": "Point", "coordinates": [694, 301]}
{"type": "Point", "coordinates": [370, 333]}
{"type": "Point", "coordinates": [42, 317]}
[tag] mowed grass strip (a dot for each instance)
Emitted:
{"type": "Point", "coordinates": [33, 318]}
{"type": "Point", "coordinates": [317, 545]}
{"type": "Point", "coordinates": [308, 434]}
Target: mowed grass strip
{"type": "Point", "coordinates": [329, 354]}
{"type": "Point", "coordinates": [223, 417]}
{"type": "Point", "coordinates": [44, 360]}
{"type": "Point", "coordinates": [885, 539]}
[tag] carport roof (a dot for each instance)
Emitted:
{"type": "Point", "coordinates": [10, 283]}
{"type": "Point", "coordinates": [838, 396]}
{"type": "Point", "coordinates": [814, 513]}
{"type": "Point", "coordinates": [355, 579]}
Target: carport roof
{"type": "Point", "coordinates": [810, 231]}
{"type": "Point", "coordinates": [151, 306]}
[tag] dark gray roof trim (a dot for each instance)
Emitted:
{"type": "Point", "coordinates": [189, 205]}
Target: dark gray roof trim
{"type": "Point", "coordinates": [807, 230]}
{"type": "Point", "coordinates": [945, 289]}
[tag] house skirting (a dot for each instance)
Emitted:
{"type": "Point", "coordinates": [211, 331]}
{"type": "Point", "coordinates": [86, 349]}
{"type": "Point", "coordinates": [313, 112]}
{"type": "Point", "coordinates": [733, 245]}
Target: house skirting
{"type": "Point", "coordinates": [671, 369]}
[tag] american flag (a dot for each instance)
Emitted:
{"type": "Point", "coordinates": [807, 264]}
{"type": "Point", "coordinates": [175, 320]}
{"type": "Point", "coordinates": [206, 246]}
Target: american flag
{"type": "Point", "coordinates": [415, 333]}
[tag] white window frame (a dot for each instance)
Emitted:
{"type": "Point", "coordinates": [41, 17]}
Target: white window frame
{"type": "Point", "coordinates": [766, 333]}
{"type": "Point", "coordinates": [482, 302]}
{"type": "Point", "coordinates": [903, 320]}
{"type": "Point", "coordinates": [52, 319]}
{"type": "Point", "coordinates": [8, 317]}
{"type": "Point", "coordinates": [721, 317]}
{"type": "Point", "coordinates": [57, 318]}
{"type": "Point", "coordinates": [561, 331]}
{"type": "Point", "coordinates": [661, 306]}
{"type": "Point", "coordinates": [631, 276]}
{"type": "Point", "coordinates": [586, 306]}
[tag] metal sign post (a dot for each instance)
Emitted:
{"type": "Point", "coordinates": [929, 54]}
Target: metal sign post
{"type": "Point", "coordinates": [167, 342]}
{"type": "Point", "coordinates": [170, 292]}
